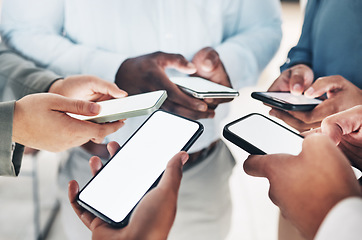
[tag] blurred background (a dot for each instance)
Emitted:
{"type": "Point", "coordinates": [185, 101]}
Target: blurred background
{"type": "Point", "coordinates": [28, 204]}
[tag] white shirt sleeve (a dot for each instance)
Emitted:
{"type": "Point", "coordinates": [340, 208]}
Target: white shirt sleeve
{"type": "Point", "coordinates": [344, 221]}
{"type": "Point", "coordinates": [251, 39]}
{"type": "Point", "coordinates": [35, 29]}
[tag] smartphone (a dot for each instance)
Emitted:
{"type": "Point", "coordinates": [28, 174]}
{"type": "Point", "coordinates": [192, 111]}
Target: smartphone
{"type": "Point", "coordinates": [259, 135]}
{"type": "Point", "coordinates": [137, 167]}
{"type": "Point", "coordinates": [202, 88]}
{"type": "Point", "coordinates": [128, 107]}
{"type": "Point", "coordinates": [287, 101]}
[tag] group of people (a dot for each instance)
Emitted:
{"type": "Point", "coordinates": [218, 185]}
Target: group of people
{"type": "Point", "coordinates": [66, 48]}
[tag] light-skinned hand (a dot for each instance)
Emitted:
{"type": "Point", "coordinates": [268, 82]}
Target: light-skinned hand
{"type": "Point", "coordinates": [341, 94]}
{"type": "Point", "coordinates": [295, 80]}
{"type": "Point", "coordinates": [147, 73]}
{"type": "Point", "coordinates": [306, 187]}
{"type": "Point", "coordinates": [40, 122]}
{"type": "Point", "coordinates": [345, 129]}
{"type": "Point", "coordinates": [209, 66]}
{"type": "Point", "coordinates": [153, 216]}
{"type": "Point", "coordinates": [84, 87]}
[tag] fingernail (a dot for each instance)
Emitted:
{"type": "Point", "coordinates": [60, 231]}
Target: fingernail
{"type": "Point", "coordinates": [184, 158]}
{"type": "Point", "coordinates": [208, 65]}
{"type": "Point", "coordinates": [202, 107]}
{"type": "Point", "coordinates": [95, 108]}
{"type": "Point", "coordinates": [297, 88]}
{"type": "Point", "coordinates": [309, 92]}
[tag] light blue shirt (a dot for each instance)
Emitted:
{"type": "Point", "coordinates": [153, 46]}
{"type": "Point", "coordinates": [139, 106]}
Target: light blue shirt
{"type": "Point", "coordinates": [95, 37]}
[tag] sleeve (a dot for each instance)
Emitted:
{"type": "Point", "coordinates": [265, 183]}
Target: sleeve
{"type": "Point", "coordinates": [19, 77]}
{"type": "Point", "coordinates": [10, 159]}
{"type": "Point", "coordinates": [252, 37]}
{"type": "Point", "coordinates": [343, 221]}
{"type": "Point", "coordinates": [302, 53]}
{"type": "Point", "coordinates": [24, 29]}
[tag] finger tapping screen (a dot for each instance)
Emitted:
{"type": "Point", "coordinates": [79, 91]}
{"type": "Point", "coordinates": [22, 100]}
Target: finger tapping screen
{"type": "Point", "coordinates": [126, 178]}
{"type": "Point", "coordinates": [267, 135]}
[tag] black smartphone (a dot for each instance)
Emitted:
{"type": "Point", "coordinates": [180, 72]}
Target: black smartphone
{"type": "Point", "coordinates": [259, 135]}
{"type": "Point", "coordinates": [287, 101]}
{"type": "Point", "coordinates": [136, 168]}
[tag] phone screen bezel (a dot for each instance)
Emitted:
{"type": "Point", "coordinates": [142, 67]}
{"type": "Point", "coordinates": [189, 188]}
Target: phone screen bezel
{"type": "Point", "coordinates": [240, 142]}
{"type": "Point", "coordinates": [281, 104]}
{"type": "Point", "coordinates": [125, 221]}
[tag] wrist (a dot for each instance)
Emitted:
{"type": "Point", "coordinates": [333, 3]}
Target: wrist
{"type": "Point", "coordinates": [55, 87]}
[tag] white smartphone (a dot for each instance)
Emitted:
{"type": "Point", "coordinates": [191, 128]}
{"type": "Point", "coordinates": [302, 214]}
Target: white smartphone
{"type": "Point", "coordinates": [202, 88]}
{"type": "Point", "coordinates": [260, 135]}
{"type": "Point", "coordinates": [115, 191]}
{"type": "Point", "coordinates": [122, 108]}
{"type": "Point", "coordinates": [287, 101]}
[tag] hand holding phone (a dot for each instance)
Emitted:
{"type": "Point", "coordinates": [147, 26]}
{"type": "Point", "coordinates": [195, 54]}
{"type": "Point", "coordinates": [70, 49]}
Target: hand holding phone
{"type": "Point", "coordinates": [137, 167]}
{"type": "Point", "coordinates": [202, 88]}
{"type": "Point", "coordinates": [260, 135]}
{"type": "Point", "coordinates": [155, 214]}
{"type": "Point", "coordinates": [287, 101]}
{"type": "Point", "coordinates": [122, 108]}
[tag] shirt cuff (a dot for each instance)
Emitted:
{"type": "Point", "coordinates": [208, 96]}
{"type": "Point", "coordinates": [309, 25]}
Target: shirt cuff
{"type": "Point", "coordinates": [343, 221]}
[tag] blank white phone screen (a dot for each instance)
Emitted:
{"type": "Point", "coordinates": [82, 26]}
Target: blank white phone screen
{"type": "Point", "coordinates": [267, 136]}
{"type": "Point", "coordinates": [200, 85]}
{"type": "Point", "coordinates": [290, 98]}
{"type": "Point", "coordinates": [127, 177]}
{"type": "Point", "coordinates": [127, 104]}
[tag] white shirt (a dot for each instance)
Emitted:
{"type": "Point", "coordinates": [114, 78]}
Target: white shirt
{"type": "Point", "coordinates": [344, 221]}
{"type": "Point", "coordinates": [96, 36]}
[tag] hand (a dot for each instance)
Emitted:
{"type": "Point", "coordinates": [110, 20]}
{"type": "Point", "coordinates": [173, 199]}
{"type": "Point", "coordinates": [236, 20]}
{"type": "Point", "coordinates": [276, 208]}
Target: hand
{"type": "Point", "coordinates": [345, 129]}
{"type": "Point", "coordinates": [295, 80]}
{"type": "Point", "coordinates": [341, 94]}
{"type": "Point", "coordinates": [88, 88]}
{"type": "Point", "coordinates": [153, 216]}
{"type": "Point", "coordinates": [147, 73]}
{"type": "Point", "coordinates": [209, 66]}
{"type": "Point", "coordinates": [40, 122]}
{"type": "Point", "coordinates": [306, 187]}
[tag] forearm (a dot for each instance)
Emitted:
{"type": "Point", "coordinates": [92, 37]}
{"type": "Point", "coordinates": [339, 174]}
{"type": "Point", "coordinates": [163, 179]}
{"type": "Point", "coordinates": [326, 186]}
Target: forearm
{"type": "Point", "coordinates": [10, 159]}
{"type": "Point", "coordinates": [46, 43]}
{"type": "Point", "coordinates": [247, 51]}
{"type": "Point", "coordinates": [22, 77]}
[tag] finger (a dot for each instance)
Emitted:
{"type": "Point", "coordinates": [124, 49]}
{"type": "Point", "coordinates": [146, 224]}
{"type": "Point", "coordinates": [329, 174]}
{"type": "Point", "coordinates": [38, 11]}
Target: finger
{"type": "Point", "coordinates": [281, 84]}
{"type": "Point", "coordinates": [320, 112]}
{"type": "Point", "coordinates": [95, 164]}
{"type": "Point", "coordinates": [171, 178]}
{"type": "Point", "coordinates": [176, 95]}
{"type": "Point", "coordinates": [80, 107]}
{"type": "Point", "coordinates": [107, 88]}
{"type": "Point", "coordinates": [82, 214]}
{"type": "Point", "coordinates": [301, 77]}
{"type": "Point", "coordinates": [209, 59]}
{"type": "Point", "coordinates": [185, 112]}
{"type": "Point", "coordinates": [292, 121]}
{"type": "Point", "coordinates": [323, 85]}
{"type": "Point", "coordinates": [100, 131]}
{"type": "Point", "coordinates": [176, 61]}
{"type": "Point", "coordinates": [343, 123]}
{"type": "Point", "coordinates": [310, 132]}
{"type": "Point", "coordinates": [255, 165]}
{"type": "Point", "coordinates": [112, 148]}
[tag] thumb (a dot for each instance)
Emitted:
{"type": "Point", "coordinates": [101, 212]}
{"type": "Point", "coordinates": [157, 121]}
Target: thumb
{"type": "Point", "coordinates": [255, 165]}
{"type": "Point", "coordinates": [211, 60]}
{"type": "Point", "coordinates": [80, 107]}
{"type": "Point", "coordinates": [172, 176]}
